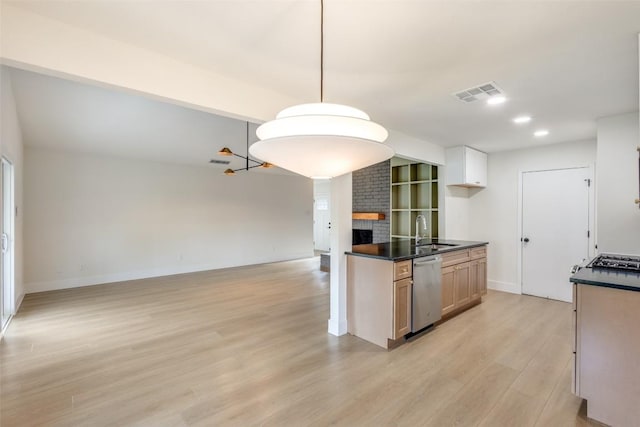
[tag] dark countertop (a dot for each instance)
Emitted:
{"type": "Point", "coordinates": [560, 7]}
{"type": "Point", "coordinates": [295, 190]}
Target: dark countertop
{"type": "Point", "coordinates": [607, 278]}
{"type": "Point", "coordinates": [401, 250]}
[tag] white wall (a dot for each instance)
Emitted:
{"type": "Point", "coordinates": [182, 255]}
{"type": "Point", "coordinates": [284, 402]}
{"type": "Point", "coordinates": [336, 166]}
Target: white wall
{"type": "Point", "coordinates": [456, 212]}
{"type": "Point", "coordinates": [11, 147]}
{"type": "Point", "coordinates": [94, 219]}
{"type": "Point", "coordinates": [493, 211]}
{"type": "Point", "coordinates": [617, 216]}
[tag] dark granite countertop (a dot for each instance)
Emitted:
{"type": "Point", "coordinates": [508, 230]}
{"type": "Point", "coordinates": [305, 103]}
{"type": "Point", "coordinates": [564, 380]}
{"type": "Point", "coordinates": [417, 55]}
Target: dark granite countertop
{"type": "Point", "coordinates": [607, 278]}
{"type": "Point", "coordinates": [401, 250]}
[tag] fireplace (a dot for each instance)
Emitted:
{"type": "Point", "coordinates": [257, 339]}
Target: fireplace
{"type": "Point", "coordinates": [361, 237]}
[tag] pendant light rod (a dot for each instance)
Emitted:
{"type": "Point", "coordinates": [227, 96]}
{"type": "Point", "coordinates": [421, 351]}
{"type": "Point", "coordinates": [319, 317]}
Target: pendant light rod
{"type": "Point", "coordinates": [247, 139]}
{"type": "Point", "coordinates": [321, 140]}
{"type": "Point", "coordinates": [321, 50]}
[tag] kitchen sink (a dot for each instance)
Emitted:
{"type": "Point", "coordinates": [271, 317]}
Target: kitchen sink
{"type": "Point", "coordinates": [436, 245]}
{"type": "Point", "coordinates": [422, 248]}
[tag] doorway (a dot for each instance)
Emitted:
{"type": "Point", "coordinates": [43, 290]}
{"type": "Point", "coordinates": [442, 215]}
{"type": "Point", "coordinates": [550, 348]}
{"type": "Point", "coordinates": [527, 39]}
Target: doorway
{"type": "Point", "coordinates": [7, 244]}
{"type": "Point", "coordinates": [555, 231]}
{"type": "Point", "coordinates": [321, 215]}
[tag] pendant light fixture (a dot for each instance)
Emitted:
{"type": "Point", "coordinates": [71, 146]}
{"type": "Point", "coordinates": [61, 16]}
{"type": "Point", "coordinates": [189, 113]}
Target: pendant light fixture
{"type": "Point", "coordinates": [227, 152]}
{"type": "Point", "coordinates": [321, 140]}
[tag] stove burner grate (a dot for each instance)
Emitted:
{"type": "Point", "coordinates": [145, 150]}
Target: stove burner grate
{"type": "Point", "coordinates": [616, 262]}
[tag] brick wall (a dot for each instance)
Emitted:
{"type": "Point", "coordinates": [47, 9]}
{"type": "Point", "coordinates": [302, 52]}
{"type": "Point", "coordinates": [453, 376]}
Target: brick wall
{"type": "Point", "coordinates": [372, 193]}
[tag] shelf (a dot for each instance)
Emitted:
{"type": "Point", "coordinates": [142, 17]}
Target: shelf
{"type": "Point", "coordinates": [400, 197]}
{"type": "Point", "coordinates": [400, 173]}
{"type": "Point", "coordinates": [414, 191]}
{"type": "Point", "coordinates": [371, 216]}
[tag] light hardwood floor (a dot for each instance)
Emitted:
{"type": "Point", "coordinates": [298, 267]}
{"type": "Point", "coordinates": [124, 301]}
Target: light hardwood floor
{"type": "Point", "coordinates": [249, 346]}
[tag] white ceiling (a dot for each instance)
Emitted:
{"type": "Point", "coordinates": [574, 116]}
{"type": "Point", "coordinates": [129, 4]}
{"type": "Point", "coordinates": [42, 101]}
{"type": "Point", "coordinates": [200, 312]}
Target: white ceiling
{"type": "Point", "coordinates": [566, 63]}
{"type": "Point", "coordinates": [61, 114]}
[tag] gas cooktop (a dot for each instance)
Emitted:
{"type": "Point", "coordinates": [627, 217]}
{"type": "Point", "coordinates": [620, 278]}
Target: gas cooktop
{"type": "Point", "coordinates": [628, 263]}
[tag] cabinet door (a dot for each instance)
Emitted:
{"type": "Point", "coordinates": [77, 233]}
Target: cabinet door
{"type": "Point", "coordinates": [475, 167]}
{"type": "Point", "coordinates": [482, 276]}
{"type": "Point", "coordinates": [401, 308]}
{"type": "Point", "coordinates": [474, 280]}
{"type": "Point", "coordinates": [478, 278]}
{"type": "Point", "coordinates": [448, 290]}
{"type": "Point", "coordinates": [461, 282]}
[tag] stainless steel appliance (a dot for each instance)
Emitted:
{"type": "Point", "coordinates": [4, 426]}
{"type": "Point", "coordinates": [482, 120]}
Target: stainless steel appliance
{"type": "Point", "coordinates": [427, 292]}
{"type": "Point", "coordinates": [629, 263]}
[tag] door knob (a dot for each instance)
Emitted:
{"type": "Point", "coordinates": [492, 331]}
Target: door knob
{"type": "Point", "coordinates": [526, 240]}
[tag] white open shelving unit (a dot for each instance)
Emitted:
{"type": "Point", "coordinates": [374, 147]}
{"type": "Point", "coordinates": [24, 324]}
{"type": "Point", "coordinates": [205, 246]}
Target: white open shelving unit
{"type": "Point", "coordinates": [414, 191]}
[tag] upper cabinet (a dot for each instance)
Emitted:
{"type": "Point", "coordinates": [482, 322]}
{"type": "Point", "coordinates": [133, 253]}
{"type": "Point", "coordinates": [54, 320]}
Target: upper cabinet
{"type": "Point", "coordinates": [466, 167]}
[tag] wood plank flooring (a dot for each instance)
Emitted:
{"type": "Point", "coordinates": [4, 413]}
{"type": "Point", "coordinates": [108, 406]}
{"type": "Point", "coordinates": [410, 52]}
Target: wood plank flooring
{"type": "Point", "coordinates": [249, 346]}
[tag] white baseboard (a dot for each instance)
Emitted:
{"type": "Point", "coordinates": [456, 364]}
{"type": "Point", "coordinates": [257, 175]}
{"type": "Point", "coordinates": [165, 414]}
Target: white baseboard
{"type": "Point", "coordinates": [16, 308]}
{"type": "Point", "coordinates": [19, 302]}
{"type": "Point", "coordinates": [512, 288]}
{"type": "Point", "coordinates": [77, 282]}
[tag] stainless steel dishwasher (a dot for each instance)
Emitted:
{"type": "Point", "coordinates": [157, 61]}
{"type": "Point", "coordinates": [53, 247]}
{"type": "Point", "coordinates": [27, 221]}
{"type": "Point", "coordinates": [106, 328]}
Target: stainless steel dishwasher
{"type": "Point", "coordinates": [426, 308]}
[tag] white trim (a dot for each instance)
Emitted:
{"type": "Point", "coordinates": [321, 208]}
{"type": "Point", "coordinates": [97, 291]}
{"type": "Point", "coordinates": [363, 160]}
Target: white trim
{"type": "Point", "coordinates": [19, 303]}
{"type": "Point", "coordinates": [77, 282]}
{"type": "Point", "coordinates": [341, 240]}
{"type": "Point", "coordinates": [337, 327]}
{"type": "Point", "coordinates": [10, 293]}
{"type": "Point", "coordinates": [519, 231]}
{"type": "Point", "coordinates": [6, 326]}
{"type": "Point", "coordinates": [512, 288]}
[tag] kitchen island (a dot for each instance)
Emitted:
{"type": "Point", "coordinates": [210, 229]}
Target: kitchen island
{"type": "Point", "coordinates": [606, 341]}
{"type": "Point", "coordinates": [380, 286]}
{"type": "Point", "coordinates": [401, 250]}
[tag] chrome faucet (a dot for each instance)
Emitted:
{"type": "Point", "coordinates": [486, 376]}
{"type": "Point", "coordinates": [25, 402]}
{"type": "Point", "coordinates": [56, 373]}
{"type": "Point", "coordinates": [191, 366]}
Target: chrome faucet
{"type": "Point", "coordinates": [421, 221]}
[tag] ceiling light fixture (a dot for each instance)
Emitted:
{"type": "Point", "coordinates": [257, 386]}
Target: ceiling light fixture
{"type": "Point", "coordinates": [322, 140]}
{"type": "Point", "coordinates": [541, 132]}
{"type": "Point", "coordinates": [495, 100]}
{"type": "Point", "coordinates": [522, 119]}
{"type": "Point", "coordinates": [227, 152]}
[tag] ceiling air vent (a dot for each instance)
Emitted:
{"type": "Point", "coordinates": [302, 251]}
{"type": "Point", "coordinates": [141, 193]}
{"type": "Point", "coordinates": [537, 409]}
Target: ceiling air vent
{"type": "Point", "coordinates": [480, 92]}
{"type": "Point", "coordinates": [219, 162]}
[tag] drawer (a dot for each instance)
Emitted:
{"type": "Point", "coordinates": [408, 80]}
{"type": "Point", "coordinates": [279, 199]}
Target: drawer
{"type": "Point", "coordinates": [455, 257]}
{"type": "Point", "coordinates": [480, 252]}
{"type": "Point", "coordinates": [402, 270]}
{"type": "Point", "coordinates": [575, 296]}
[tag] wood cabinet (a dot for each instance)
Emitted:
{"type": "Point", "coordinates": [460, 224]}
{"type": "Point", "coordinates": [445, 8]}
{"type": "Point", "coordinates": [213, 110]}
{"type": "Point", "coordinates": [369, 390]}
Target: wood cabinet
{"type": "Point", "coordinates": [379, 297]}
{"type": "Point", "coordinates": [401, 308]}
{"type": "Point", "coordinates": [606, 347]}
{"type": "Point", "coordinates": [462, 284]}
{"type": "Point", "coordinates": [464, 278]}
{"type": "Point", "coordinates": [448, 290]}
{"type": "Point", "coordinates": [466, 167]}
{"type": "Point", "coordinates": [478, 278]}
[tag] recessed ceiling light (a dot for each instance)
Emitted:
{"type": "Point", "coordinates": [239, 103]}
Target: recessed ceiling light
{"type": "Point", "coordinates": [541, 132]}
{"type": "Point", "coordinates": [522, 119]}
{"type": "Point", "coordinates": [495, 100]}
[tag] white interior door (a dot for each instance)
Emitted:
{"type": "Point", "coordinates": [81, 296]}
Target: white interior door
{"type": "Point", "coordinates": [321, 215]}
{"type": "Point", "coordinates": [555, 230]}
{"type": "Point", "coordinates": [6, 244]}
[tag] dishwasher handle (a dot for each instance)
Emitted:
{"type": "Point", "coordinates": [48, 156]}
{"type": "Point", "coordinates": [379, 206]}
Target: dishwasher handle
{"type": "Point", "coordinates": [426, 262]}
